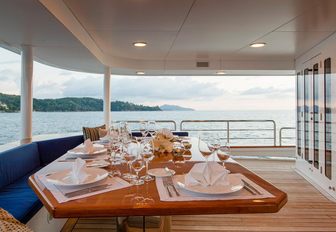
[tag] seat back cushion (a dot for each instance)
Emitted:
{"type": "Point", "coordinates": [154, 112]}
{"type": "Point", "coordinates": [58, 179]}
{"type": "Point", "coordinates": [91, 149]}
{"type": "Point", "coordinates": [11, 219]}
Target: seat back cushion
{"type": "Point", "coordinates": [51, 149]}
{"type": "Point", "coordinates": [178, 133]}
{"type": "Point", "coordinates": [17, 162]}
{"type": "Point", "coordinates": [92, 133]}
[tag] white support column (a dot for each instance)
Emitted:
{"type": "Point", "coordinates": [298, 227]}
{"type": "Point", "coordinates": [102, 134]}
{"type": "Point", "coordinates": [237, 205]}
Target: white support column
{"type": "Point", "coordinates": [107, 96]}
{"type": "Point", "coordinates": [26, 104]}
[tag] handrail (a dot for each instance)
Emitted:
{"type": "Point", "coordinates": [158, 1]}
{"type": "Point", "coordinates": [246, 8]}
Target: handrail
{"type": "Point", "coordinates": [157, 121]}
{"type": "Point", "coordinates": [280, 134]}
{"type": "Point", "coordinates": [228, 130]}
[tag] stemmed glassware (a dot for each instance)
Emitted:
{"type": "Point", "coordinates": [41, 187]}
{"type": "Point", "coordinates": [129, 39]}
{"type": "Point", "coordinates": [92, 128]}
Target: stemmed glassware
{"type": "Point", "coordinates": [143, 129]}
{"type": "Point", "coordinates": [178, 150]}
{"type": "Point", "coordinates": [147, 155]}
{"type": "Point", "coordinates": [129, 156]}
{"type": "Point", "coordinates": [137, 164]}
{"type": "Point", "coordinates": [187, 146]}
{"type": "Point", "coordinates": [204, 149]}
{"type": "Point", "coordinates": [151, 128]}
{"type": "Point", "coordinates": [223, 153]}
{"type": "Point", "coordinates": [115, 147]}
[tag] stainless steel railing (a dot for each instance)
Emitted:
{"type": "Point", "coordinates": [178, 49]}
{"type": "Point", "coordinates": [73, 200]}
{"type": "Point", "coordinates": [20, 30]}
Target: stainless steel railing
{"type": "Point", "coordinates": [228, 129]}
{"type": "Point", "coordinates": [165, 122]}
{"type": "Point", "coordinates": [281, 137]}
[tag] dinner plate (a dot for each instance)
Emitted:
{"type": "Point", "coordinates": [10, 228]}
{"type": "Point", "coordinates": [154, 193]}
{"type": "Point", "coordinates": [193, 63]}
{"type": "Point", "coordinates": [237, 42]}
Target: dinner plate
{"type": "Point", "coordinates": [234, 185]}
{"type": "Point", "coordinates": [63, 178]}
{"type": "Point", "coordinates": [98, 164]}
{"type": "Point", "coordinates": [81, 153]}
{"type": "Point", "coordinates": [160, 172]}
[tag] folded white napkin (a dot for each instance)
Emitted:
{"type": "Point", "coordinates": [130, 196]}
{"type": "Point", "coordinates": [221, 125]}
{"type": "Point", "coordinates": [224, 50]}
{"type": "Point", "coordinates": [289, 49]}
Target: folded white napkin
{"type": "Point", "coordinates": [207, 175]}
{"type": "Point", "coordinates": [88, 147]}
{"type": "Point", "coordinates": [135, 149]}
{"type": "Point", "coordinates": [78, 174]}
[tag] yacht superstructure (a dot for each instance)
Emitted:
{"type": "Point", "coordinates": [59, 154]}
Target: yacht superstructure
{"type": "Point", "coordinates": [190, 37]}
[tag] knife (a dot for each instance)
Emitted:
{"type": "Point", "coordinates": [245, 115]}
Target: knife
{"type": "Point", "coordinates": [251, 187]}
{"type": "Point", "coordinates": [87, 190]}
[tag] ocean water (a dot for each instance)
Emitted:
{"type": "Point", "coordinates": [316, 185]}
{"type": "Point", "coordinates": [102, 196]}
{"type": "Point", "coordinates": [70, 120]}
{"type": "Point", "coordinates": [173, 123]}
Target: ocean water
{"type": "Point", "coordinates": [72, 122]}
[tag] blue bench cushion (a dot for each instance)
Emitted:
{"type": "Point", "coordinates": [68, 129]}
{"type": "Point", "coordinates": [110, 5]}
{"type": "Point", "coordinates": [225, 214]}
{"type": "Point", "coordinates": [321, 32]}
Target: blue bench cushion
{"type": "Point", "coordinates": [17, 162]}
{"type": "Point", "coordinates": [19, 199]}
{"type": "Point", "coordinates": [51, 149]}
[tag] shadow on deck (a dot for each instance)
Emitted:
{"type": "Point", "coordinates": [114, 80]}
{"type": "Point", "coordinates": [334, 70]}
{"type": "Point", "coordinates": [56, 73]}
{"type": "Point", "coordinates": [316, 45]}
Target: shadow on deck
{"type": "Point", "coordinates": [307, 209]}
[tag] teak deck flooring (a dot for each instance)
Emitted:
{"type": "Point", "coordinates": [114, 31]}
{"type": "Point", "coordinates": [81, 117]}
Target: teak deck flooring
{"type": "Point", "coordinates": [306, 210]}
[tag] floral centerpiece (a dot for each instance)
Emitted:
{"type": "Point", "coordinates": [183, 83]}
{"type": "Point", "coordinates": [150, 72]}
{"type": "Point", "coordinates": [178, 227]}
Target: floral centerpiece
{"type": "Point", "coordinates": [163, 144]}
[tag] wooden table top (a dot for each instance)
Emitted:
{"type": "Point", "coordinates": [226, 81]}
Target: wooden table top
{"type": "Point", "coordinates": [144, 200]}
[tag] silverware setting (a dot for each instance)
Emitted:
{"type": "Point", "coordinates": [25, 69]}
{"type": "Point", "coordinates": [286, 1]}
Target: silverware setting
{"type": "Point", "coordinates": [170, 187]}
{"type": "Point", "coordinates": [87, 190]}
{"type": "Point", "coordinates": [250, 188]}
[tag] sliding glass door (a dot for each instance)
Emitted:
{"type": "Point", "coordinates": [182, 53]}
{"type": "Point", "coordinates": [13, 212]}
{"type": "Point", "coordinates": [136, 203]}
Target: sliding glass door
{"type": "Point", "coordinates": [328, 117]}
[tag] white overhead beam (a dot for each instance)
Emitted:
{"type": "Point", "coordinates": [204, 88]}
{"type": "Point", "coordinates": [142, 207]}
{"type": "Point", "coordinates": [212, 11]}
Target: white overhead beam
{"type": "Point", "coordinates": [26, 103]}
{"type": "Point", "coordinates": [107, 96]}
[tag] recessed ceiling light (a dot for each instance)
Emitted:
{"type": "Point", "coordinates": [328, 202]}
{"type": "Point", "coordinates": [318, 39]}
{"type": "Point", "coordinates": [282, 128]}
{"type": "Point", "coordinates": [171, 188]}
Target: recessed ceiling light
{"type": "Point", "coordinates": [220, 72]}
{"type": "Point", "coordinates": [257, 45]}
{"type": "Point", "coordinates": [139, 44]}
{"type": "Point", "coordinates": [140, 73]}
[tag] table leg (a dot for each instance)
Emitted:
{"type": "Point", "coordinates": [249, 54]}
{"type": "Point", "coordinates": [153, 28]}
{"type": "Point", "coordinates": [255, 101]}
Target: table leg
{"type": "Point", "coordinates": [167, 223]}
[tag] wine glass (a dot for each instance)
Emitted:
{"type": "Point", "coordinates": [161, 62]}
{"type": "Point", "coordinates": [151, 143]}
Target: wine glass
{"type": "Point", "coordinates": [143, 128]}
{"type": "Point", "coordinates": [178, 157]}
{"type": "Point", "coordinates": [204, 149]}
{"type": "Point", "coordinates": [115, 146]}
{"type": "Point", "coordinates": [151, 128]}
{"type": "Point", "coordinates": [137, 164]}
{"type": "Point", "coordinates": [147, 155]}
{"type": "Point", "coordinates": [214, 144]}
{"type": "Point", "coordinates": [129, 156]}
{"type": "Point", "coordinates": [223, 153]}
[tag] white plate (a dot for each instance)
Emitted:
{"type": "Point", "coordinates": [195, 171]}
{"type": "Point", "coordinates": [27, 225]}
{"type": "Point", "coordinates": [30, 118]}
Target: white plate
{"type": "Point", "coordinates": [235, 184]}
{"type": "Point", "coordinates": [79, 151]}
{"type": "Point", "coordinates": [160, 172]}
{"type": "Point", "coordinates": [63, 178]}
{"type": "Point", "coordinates": [98, 164]}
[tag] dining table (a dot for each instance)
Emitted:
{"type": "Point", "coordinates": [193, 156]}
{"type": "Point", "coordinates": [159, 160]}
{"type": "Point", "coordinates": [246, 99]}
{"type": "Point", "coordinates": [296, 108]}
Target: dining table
{"type": "Point", "coordinates": [150, 200]}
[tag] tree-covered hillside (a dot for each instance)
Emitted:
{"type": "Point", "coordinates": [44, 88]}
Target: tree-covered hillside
{"type": "Point", "coordinates": [11, 103]}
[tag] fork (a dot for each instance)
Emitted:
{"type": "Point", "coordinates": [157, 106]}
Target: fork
{"type": "Point", "coordinates": [165, 184]}
{"type": "Point", "coordinates": [170, 183]}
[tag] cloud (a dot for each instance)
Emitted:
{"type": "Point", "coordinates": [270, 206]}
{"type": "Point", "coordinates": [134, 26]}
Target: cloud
{"type": "Point", "coordinates": [163, 88]}
{"type": "Point", "coordinates": [144, 89]}
{"type": "Point", "coordinates": [267, 91]}
{"type": "Point", "coordinates": [83, 87]}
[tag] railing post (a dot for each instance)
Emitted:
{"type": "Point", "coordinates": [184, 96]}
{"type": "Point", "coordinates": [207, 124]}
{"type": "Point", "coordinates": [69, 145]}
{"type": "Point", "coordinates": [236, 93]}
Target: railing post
{"type": "Point", "coordinates": [280, 137]}
{"type": "Point", "coordinates": [228, 132]}
{"type": "Point", "coordinates": [274, 132]}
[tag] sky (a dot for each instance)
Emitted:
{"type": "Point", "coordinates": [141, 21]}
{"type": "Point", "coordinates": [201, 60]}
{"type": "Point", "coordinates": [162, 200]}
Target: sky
{"type": "Point", "coordinates": [197, 92]}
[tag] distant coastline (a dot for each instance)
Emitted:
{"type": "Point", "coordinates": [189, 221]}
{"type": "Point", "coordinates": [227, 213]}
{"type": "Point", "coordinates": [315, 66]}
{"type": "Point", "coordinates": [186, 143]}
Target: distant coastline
{"type": "Point", "coordinates": [11, 103]}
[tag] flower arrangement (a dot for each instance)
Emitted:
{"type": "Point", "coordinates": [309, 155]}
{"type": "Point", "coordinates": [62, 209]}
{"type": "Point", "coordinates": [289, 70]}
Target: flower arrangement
{"type": "Point", "coordinates": [163, 142]}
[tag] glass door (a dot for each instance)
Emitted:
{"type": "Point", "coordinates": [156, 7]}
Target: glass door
{"type": "Point", "coordinates": [307, 115]}
{"type": "Point", "coordinates": [299, 112]}
{"type": "Point", "coordinates": [316, 114]}
{"type": "Point", "coordinates": [327, 119]}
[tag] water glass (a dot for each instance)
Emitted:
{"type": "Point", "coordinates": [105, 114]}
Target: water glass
{"type": "Point", "coordinates": [137, 165]}
{"type": "Point", "coordinates": [178, 157]}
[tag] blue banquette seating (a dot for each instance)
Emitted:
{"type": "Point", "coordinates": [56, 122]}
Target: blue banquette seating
{"type": "Point", "coordinates": [17, 164]}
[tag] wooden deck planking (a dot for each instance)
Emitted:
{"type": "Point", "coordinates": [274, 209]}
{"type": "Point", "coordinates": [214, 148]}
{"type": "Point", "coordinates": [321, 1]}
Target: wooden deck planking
{"type": "Point", "coordinates": [306, 209]}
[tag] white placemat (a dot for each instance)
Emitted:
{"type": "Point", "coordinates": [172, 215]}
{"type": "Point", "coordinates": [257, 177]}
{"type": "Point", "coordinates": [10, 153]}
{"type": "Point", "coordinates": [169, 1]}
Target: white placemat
{"type": "Point", "coordinates": [186, 195]}
{"type": "Point", "coordinates": [59, 191]}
